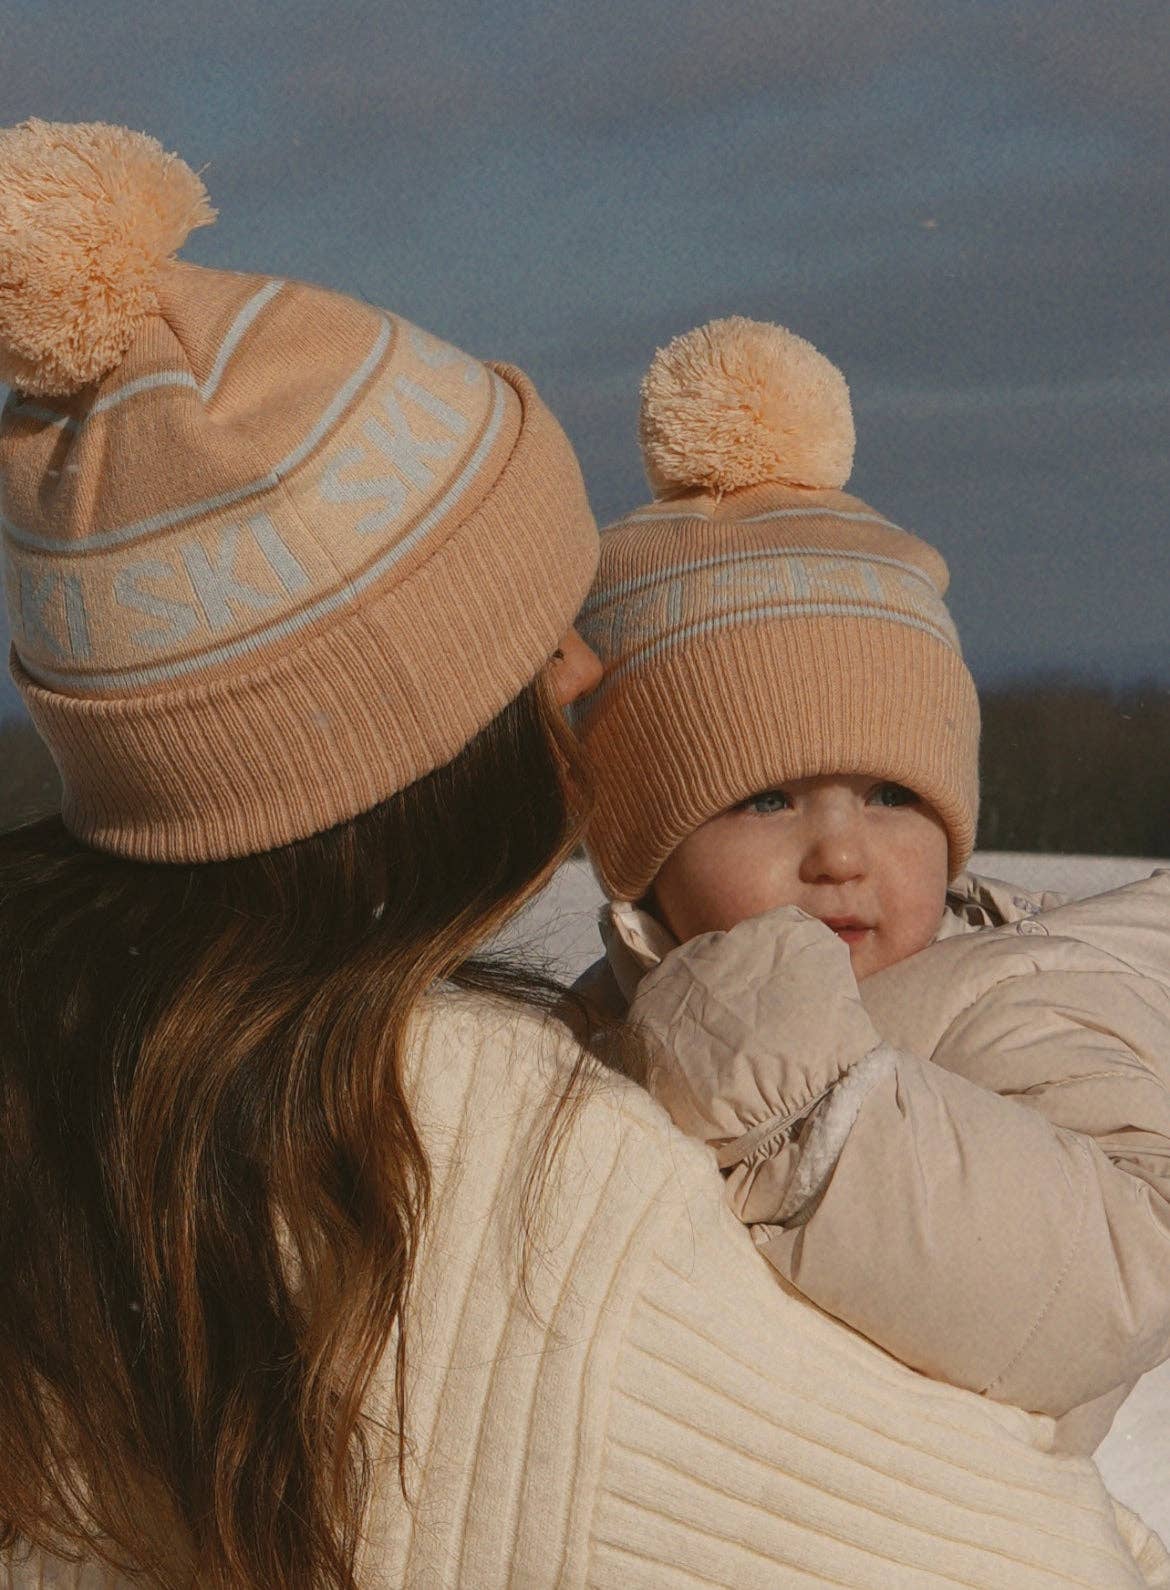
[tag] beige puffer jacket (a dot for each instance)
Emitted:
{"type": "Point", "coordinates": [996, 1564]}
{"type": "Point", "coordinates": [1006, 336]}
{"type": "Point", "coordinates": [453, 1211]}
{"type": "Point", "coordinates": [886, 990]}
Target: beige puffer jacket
{"type": "Point", "coordinates": [986, 1193]}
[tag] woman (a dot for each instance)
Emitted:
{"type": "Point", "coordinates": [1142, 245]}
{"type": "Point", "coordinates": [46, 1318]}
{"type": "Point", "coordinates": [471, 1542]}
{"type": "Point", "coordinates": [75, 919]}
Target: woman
{"type": "Point", "coordinates": [334, 1258]}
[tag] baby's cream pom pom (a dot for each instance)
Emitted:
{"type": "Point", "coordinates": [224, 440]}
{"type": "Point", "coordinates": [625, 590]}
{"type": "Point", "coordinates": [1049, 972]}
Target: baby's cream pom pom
{"type": "Point", "coordinates": [88, 215]}
{"type": "Point", "coordinates": [738, 402]}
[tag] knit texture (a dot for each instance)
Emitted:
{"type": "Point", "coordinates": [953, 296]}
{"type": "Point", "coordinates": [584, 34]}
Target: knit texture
{"type": "Point", "coordinates": [666, 1415]}
{"type": "Point", "coordinates": [737, 402]}
{"type": "Point", "coordinates": [757, 624]}
{"type": "Point", "coordinates": [284, 556]}
{"type": "Point", "coordinates": [88, 213]}
{"type": "Point", "coordinates": [769, 635]}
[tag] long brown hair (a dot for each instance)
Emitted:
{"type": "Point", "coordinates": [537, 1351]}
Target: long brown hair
{"type": "Point", "coordinates": [212, 1187]}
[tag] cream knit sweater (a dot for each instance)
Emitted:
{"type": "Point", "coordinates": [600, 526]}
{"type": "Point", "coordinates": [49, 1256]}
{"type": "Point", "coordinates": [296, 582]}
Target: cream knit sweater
{"type": "Point", "coordinates": [665, 1415]}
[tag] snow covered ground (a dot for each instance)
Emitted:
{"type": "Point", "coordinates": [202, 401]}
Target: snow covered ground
{"type": "Point", "coordinates": [561, 928]}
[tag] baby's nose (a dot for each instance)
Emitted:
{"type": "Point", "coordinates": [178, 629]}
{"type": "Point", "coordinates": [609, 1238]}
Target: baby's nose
{"type": "Point", "coordinates": [835, 853]}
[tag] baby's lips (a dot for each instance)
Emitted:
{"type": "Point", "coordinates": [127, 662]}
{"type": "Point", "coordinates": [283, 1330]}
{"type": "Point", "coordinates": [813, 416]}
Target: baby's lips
{"type": "Point", "coordinates": [850, 930]}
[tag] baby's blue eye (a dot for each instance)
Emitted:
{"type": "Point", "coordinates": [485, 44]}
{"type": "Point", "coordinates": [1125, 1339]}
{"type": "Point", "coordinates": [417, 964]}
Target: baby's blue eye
{"type": "Point", "coordinates": [768, 800]}
{"type": "Point", "coordinates": [892, 795]}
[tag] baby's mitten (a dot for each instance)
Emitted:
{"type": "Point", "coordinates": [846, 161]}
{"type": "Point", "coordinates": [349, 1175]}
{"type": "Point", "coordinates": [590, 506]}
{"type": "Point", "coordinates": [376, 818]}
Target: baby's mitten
{"type": "Point", "coordinates": [752, 1030]}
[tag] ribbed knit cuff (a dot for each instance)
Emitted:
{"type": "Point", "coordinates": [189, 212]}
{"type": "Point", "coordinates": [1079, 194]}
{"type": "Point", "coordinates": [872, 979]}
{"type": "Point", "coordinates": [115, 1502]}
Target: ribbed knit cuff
{"type": "Point", "coordinates": [676, 744]}
{"type": "Point", "coordinates": [344, 714]}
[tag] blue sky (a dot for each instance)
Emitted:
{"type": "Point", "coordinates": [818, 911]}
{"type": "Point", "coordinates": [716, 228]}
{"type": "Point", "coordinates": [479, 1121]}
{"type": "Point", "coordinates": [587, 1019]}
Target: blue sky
{"type": "Point", "coordinates": [963, 202]}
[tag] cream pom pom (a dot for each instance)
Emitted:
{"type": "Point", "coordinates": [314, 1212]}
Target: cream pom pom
{"type": "Point", "coordinates": [738, 402]}
{"type": "Point", "coordinates": [88, 215]}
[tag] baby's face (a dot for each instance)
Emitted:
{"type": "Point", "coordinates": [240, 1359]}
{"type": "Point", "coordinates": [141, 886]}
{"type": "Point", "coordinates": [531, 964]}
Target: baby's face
{"type": "Point", "coordinates": [868, 857]}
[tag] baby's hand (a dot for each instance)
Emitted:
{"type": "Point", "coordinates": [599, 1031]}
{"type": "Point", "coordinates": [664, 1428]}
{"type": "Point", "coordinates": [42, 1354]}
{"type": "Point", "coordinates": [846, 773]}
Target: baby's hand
{"type": "Point", "coordinates": [754, 1026]}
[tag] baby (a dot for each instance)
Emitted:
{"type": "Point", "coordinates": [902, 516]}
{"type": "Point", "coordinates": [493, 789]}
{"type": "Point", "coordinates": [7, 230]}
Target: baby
{"type": "Point", "coordinates": [942, 1104]}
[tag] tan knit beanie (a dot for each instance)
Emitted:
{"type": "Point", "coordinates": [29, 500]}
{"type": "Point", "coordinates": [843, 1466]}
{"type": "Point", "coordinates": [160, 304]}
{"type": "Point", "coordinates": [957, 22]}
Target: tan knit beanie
{"type": "Point", "coordinates": [758, 625]}
{"type": "Point", "coordinates": [270, 554]}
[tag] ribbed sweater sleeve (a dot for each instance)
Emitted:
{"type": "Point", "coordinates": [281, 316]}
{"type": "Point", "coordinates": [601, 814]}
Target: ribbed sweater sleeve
{"type": "Point", "coordinates": [752, 1441]}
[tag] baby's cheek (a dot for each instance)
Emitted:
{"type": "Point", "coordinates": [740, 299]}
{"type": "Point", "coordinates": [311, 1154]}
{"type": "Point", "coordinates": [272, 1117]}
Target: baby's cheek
{"type": "Point", "coordinates": [733, 896]}
{"type": "Point", "coordinates": [723, 873]}
{"type": "Point", "coordinates": [757, 880]}
{"type": "Point", "coordinates": [740, 883]}
{"type": "Point", "coordinates": [919, 888]}
{"type": "Point", "coordinates": [921, 919]}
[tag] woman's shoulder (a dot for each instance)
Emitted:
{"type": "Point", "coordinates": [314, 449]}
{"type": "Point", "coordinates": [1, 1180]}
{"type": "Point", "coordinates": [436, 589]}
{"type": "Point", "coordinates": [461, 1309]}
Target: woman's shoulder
{"type": "Point", "coordinates": [485, 1056]}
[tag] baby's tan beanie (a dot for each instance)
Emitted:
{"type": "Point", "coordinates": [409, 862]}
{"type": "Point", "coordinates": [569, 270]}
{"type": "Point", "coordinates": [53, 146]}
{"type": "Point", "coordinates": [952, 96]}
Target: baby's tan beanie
{"type": "Point", "coordinates": [758, 625]}
{"type": "Point", "coordinates": [271, 554]}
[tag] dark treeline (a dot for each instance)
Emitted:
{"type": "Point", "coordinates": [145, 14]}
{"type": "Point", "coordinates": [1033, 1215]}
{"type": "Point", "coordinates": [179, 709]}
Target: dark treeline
{"type": "Point", "coordinates": [29, 786]}
{"type": "Point", "coordinates": [1076, 769]}
{"type": "Point", "coordinates": [1066, 767]}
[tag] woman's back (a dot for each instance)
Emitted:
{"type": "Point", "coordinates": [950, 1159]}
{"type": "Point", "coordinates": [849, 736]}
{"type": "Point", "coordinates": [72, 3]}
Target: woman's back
{"type": "Point", "coordinates": [622, 1395]}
